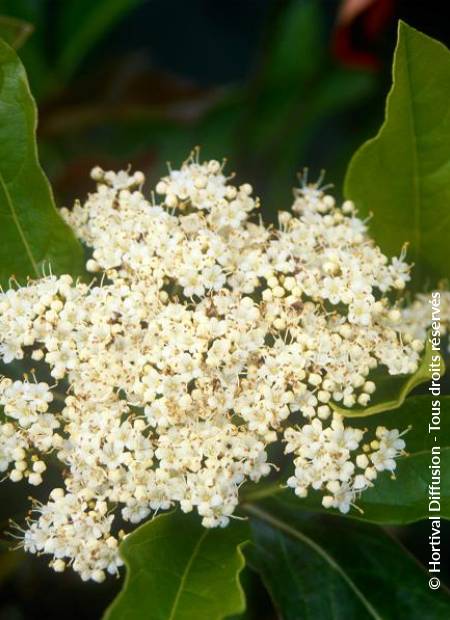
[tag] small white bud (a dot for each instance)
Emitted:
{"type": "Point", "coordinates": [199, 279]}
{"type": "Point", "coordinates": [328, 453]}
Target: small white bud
{"type": "Point", "coordinates": [394, 315]}
{"type": "Point", "coordinates": [58, 566]}
{"type": "Point", "coordinates": [15, 475]}
{"type": "Point", "coordinates": [314, 379]}
{"type": "Point", "coordinates": [279, 323]}
{"type": "Point", "coordinates": [214, 166]}
{"type": "Point", "coordinates": [92, 265]}
{"type": "Point", "coordinates": [97, 174]}
{"type": "Point", "coordinates": [161, 188]}
{"type": "Point", "coordinates": [363, 399]}
{"type": "Point", "coordinates": [323, 396]}
{"type": "Point", "coordinates": [56, 493]}
{"type": "Point", "coordinates": [324, 412]}
{"type": "Point", "coordinates": [417, 345]}
{"type": "Point", "coordinates": [362, 461]}
{"type": "Point", "coordinates": [289, 283]}
{"type": "Point", "coordinates": [278, 291]}
{"type": "Point", "coordinates": [246, 188]}
{"type": "Point", "coordinates": [35, 479]}
{"type": "Point", "coordinates": [39, 467]}
{"type": "Point", "coordinates": [139, 177]}
{"type": "Point", "coordinates": [369, 387]}
{"type": "Point", "coordinates": [18, 454]}
{"type": "Point", "coordinates": [327, 501]}
{"type": "Point", "coordinates": [370, 473]}
{"type": "Point", "coordinates": [171, 200]}
{"type": "Point", "coordinates": [348, 206]}
{"type": "Point", "coordinates": [98, 576]}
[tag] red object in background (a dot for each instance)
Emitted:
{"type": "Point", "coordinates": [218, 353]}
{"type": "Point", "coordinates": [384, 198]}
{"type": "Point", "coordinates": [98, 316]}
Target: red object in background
{"type": "Point", "coordinates": [359, 24]}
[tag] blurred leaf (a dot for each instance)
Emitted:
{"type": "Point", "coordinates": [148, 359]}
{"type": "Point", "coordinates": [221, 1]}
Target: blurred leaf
{"type": "Point", "coordinates": [289, 73]}
{"type": "Point", "coordinates": [329, 568]}
{"type": "Point", "coordinates": [391, 389]}
{"type": "Point", "coordinates": [9, 562]}
{"type": "Point", "coordinates": [83, 23]}
{"type": "Point", "coordinates": [336, 91]}
{"type": "Point", "coordinates": [179, 570]}
{"type": "Point", "coordinates": [33, 52]}
{"type": "Point", "coordinates": [297, 48]}
{"type": "Point", "coordinates": [298, 90]}
{"type": "Point", "coordinates": [14, 31]}
{"type": "Point", "coordinates": [340, 89]}
{"type": "Point", "coordinates": [258, 603]}
{"type": "Point", "coordinates": [403, 174]}
{"type": "Point", "coordinates": [32, 234]}
{"type": "Point", "coordinates": [395, 502]}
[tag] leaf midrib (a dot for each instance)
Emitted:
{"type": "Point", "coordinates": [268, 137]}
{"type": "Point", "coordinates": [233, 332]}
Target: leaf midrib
{"type": "Point", "coordinates": [417, 190]}
{"type": "Point", "coordinates": [295, 533]}
{"type": "Point", "coordinates": [19, 226]}
{"type": "Point", "coordinates": [185, 574]}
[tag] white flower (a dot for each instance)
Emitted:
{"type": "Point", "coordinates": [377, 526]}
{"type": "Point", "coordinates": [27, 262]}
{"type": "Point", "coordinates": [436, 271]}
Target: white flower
{"type": "Point", "coordinates": [204, 338]}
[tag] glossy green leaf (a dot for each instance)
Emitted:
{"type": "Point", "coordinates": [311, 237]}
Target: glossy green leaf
{"type": "Point", "coordinates": [391, 390]}
{"type": "Point", "coordinates": [14, 31]}
{"type": "Point", "coordinates": [390, 501]}
{"type": "Point", "coordinates": [32, 234]}
{"type": "Point", "coordinates": [83, 23]}
{"type": "Point", "coordinates": [317, 567]}
{"type": "Point", "coordinates": [179, 570]}
{"type": "Point", "coordinates": [403, 174]}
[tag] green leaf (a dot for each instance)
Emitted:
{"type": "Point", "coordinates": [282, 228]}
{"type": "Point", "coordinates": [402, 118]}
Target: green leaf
{"type": "Point", "coordinates": [403, 174]}
{"type": "Point", "coordinates": [405, 499]}
{"type": "Point", "coordinates": [395, 502]}
{"type": "Point", "coordinates": [83, 23]}
{"type": "Point", "coordinates": [32, 234]}
{"type": "Point", "coordinates": [316, 567]}
{"type": "Point", "coordinates": [34, 51]}
{"type": "Point", "coordinates": [297, 49]}
{"type": "Point", "coordinates": [179, 570]}
{"type": "Point", "coordinates": [14, 31]}
{"type": "Point", "coordinates": [298, 87]}
{"type": "Point", "coordinates": [391, 390]}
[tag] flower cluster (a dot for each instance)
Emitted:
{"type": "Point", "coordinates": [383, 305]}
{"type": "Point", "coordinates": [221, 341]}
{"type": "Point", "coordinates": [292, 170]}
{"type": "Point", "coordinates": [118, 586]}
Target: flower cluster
{"type": "Point", "coordinates": [323, 460]}
{"type": "Point", "coordinates": [205, 338]}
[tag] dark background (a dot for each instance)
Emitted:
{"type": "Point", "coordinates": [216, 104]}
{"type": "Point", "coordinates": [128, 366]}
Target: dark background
{"type": "Point", "coordinates": [272, 85]}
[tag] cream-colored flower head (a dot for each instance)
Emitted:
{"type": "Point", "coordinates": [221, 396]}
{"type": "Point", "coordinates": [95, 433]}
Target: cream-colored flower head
{"type": "Point", "coordinates": [204, 338]}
